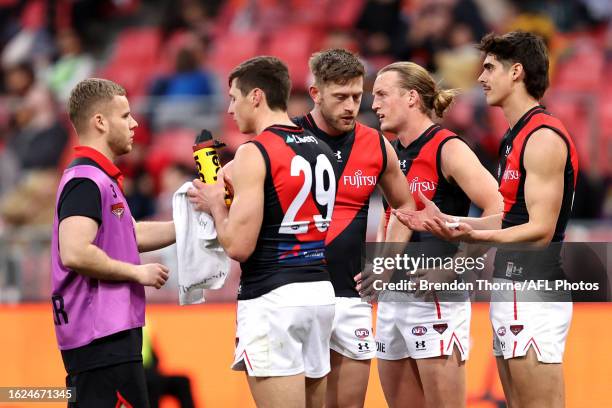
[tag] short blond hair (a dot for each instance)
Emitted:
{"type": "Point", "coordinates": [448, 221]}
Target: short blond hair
{"type": "Point", "coordinates": [414, 77]}
{"type": "Point", "coordinates": [86, 95]}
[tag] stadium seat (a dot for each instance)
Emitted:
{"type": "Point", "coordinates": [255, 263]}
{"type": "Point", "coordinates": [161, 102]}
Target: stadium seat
{"type": "Point", "coordinates": [583, 70]}
{"type": "Point", "coordinates": [133, 62]}
{"type": "Point", "coordinates": [231, 49]}
{"type": "Point", "coordinates": [574, 114]}
{"type": "Point", "coordinates": [294, 45]}
{"type": "Point", "coordinates": [344, 14]}
{"type": "Point", "coordinates": [138, 45]}
{"type": "Point", "coordinates": [173, 146]}
{"type": "Point", "coordinates": [605, 133]}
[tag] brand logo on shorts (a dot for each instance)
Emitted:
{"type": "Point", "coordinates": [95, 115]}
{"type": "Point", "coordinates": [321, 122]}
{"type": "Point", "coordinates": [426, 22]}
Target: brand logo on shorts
{"type": "Point", "coordinates": [501, 331]}
{"type": "Point", "coordinates": [502, 344]}
{"type": "Point", "coordinates": [516, 329]}
{"type": "Point", "coordinates": [420, 345]}
{"type": "Point", "coordinates": [363, 347]}
{"type": "Point", "coordinates": [513, 270]}
{"type": "Point", "coordinates": [440, 327]}
{"type": "Point", "coordinates": [118, 210]}
{"type": "Point", "coordinates": [380, 347]}
{"type": "Point", "coordinates": [362, 333]}
{"type": "Point", "coordinates": [419, 330]}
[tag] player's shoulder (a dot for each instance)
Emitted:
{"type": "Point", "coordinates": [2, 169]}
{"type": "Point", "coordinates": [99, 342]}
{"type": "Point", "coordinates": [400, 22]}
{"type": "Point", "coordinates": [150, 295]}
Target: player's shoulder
{"type": "Point", "coordinates": [300, 121]}
{"type": "Point", "coordinates": [545, 146]}
{"type": "Point", "coordinates": [546, 136]}
{"type": "Point", "coordinates": [361, 128]}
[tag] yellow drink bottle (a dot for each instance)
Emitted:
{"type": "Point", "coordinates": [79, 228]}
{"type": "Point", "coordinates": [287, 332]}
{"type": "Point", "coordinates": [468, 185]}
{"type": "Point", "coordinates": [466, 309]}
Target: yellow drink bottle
{"type": "Point", "coordinates": [207, 159]}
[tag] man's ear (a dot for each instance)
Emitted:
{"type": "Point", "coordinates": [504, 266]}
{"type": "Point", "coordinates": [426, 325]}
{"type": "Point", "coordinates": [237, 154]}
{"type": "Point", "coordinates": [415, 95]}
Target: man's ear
{"type": "Point", "coordinates": [99, 122]}
{"type": "Point", "coordinates": [315, 94]}
{"type": "Point", "coordinates": [256, 96]}
{"type": "Point", "coordinates": [413, 97]}
{"type": "Point", "coordinates": [517, 71]}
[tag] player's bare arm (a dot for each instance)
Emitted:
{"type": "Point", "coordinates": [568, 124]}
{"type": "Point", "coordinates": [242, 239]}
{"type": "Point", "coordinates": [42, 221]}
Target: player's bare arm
{"type": "Point", "coordinates": [380, 230]}
{"type": "Point", "coordinates": [395, 189]}
{"type": "Point", "coordinates": [460, 164]}
{"type": "Point", "coordinates": [544, 159]}
{"type": "Point", "coordinates": [238, 227]}
{"type": "Point", "coordinates": [152, 235]}
{"type": "Point", "coordinates": [77, 252]}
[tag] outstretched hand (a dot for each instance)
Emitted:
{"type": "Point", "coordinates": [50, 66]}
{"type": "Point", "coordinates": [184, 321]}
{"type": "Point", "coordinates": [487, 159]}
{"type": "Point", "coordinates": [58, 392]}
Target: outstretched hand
{"type": "Point", "coordinates": [415, 220]}
{"type": "Point", "coordinates": [460, 232]}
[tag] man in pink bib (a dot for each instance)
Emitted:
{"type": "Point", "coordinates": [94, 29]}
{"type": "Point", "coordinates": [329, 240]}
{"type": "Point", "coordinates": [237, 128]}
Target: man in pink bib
{"type": "Point", "coordinates": [98, 283]}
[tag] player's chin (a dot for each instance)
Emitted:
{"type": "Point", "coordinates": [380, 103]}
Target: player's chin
{"type": "Point", "coordinates": [386, 126]}
{"type": "Point", "coordinates": [492, 100]}
{"type": "Point", "coordinates": [344, 125]}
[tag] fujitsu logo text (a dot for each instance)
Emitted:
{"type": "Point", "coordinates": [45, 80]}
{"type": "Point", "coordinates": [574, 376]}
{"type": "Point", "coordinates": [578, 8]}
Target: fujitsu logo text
{"type": "Point", "coordinates": [512, 175]}
{"type": "Point", "coordinates": [416, 185]}
{"type": "Point", "coordinates": [358, 180]}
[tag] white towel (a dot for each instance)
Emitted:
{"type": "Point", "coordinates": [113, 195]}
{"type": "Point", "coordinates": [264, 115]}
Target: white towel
{"type": "Point", "coordinates": [202, 262]}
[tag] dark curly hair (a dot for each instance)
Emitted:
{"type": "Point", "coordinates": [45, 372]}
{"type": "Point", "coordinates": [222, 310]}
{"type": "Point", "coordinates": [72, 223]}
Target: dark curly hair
{"type": "Point", "coordinates": [524, 48]}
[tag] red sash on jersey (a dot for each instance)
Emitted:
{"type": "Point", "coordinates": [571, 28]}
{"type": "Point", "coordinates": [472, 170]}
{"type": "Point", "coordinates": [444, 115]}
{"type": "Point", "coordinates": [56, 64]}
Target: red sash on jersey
{"type": "Point", "coordinates": [425, 172]}
{"type": "Point", "coordinates": [514, 171]}
{"type": "Point", "coordinates": [358, 180]}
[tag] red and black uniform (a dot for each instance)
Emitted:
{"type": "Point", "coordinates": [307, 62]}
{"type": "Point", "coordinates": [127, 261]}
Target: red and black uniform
{"type": "Point", "coordinates": [361, 158]}
{"type": "Point", "coordinates": [421, 162]}
{"type": "Point", "coordinates": [511, 176]}
{"type": "Point", "coordinates": [299, 193]}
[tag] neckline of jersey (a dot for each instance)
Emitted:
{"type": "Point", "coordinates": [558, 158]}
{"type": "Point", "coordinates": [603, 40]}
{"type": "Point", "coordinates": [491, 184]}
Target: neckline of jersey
{"type": "Point", "coordinates": [423, 137]}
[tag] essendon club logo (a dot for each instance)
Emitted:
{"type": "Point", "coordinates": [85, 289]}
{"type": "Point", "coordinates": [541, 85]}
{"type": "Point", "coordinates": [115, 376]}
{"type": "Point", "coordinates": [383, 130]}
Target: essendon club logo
{"type": "Point", "coordinates": [440, 327]}
{"type": "Point", "coordinates": [516, 328]}
{"type": "Point", "coordinates": [118, 209]}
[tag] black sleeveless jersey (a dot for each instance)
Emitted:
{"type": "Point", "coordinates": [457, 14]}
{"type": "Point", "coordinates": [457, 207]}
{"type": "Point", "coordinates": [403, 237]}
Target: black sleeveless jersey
{"type": "Point", "coordinates": [361, 158]}
{"type": "Point", "coordinates": [511, 174]}
{"type": "Point", "coordinates": [421, 163]}
{"type": "Point", "coordinates": [299, 197]}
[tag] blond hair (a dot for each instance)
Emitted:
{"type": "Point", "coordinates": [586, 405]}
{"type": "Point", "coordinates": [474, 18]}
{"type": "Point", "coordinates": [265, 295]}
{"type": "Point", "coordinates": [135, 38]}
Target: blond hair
{"type": "Point", "coordinates": [413, 76]}
{"type": "Point", "coordinates": [86, 95]}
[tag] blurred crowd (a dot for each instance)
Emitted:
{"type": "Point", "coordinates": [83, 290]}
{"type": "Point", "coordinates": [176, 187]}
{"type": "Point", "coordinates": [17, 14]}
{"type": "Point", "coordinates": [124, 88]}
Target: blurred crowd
{"type": "Point", "coordinates": [173, 58]}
